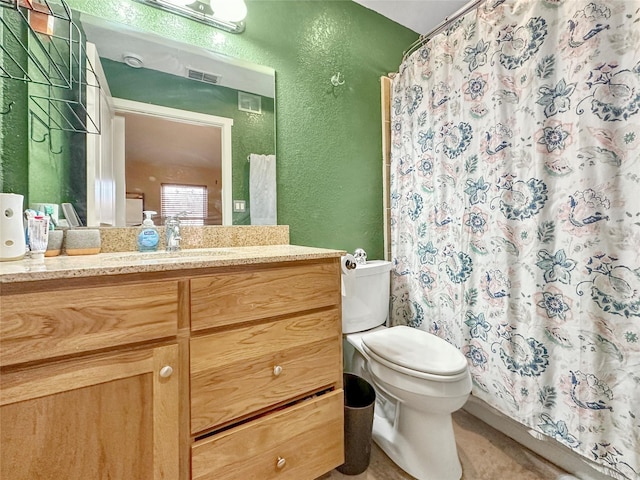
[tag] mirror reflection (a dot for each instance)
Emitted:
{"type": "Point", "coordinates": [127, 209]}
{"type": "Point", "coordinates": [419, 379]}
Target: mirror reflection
{"type": "Point", "coordinates": [169, 163]}
{"type": "Point", "coordinates": [172, 114]}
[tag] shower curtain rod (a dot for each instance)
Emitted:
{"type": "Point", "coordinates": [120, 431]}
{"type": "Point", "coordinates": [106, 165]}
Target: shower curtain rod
{"type": "Point", "coordinates": [443, 25]}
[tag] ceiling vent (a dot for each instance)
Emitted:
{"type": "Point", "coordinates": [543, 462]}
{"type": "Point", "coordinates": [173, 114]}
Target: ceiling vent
{"type": "Point", "coordinates": [212, 78]}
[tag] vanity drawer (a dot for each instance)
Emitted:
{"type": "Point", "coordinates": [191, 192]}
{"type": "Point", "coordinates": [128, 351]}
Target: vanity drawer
{"type": "Point", "coordinates": [307, 438]}
{"type": "Point", "coordinates": [235, 297]}
{"type": "Point", "coordinates": [36, 326]}
{"type": "Point", "coordinates": [246, 370]}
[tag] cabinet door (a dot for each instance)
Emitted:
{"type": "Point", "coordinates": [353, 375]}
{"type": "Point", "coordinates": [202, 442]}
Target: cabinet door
{"type": "Point", "coordinates": [113, 416]}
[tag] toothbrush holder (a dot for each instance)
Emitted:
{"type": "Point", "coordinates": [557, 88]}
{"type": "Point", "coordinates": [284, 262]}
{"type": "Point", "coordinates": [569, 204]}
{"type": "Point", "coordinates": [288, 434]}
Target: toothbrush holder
{"type": "Point", "coordinates": [54, 245]}
{"type": "Point", "coordinates": [82, 241]}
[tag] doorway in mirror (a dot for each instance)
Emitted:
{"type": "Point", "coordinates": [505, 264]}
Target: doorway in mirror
{"type": "Point", "coordinates": [169, 146]}
{"type": "Point", "coordinates": [162, 151]}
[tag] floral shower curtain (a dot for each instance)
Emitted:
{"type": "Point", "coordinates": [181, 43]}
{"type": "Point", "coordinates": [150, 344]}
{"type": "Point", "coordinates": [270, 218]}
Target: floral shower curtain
{"type": "Point", "coordinates": [515, 212]}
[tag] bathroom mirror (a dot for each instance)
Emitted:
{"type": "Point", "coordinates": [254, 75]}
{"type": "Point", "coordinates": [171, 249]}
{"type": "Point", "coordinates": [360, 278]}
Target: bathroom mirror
{"type": "Point", "coordinates": [145, 69]}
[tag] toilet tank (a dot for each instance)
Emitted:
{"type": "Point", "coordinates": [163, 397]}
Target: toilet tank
{"type": "Point", "coordinates": [365, 296]}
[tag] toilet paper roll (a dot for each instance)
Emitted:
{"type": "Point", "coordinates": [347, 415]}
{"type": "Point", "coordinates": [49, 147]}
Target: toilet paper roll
{"type": "Point", "coordinates": [348, 267]}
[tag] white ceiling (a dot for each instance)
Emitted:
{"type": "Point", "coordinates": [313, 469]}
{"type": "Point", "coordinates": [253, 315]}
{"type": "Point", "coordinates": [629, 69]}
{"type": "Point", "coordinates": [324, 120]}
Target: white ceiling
{"type": "Point", "coordinates": [114, 41]}
{"type": "Point", "coordinates": [421, 16]}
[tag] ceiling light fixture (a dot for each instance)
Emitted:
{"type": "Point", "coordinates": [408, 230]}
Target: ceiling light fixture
{"type": "Point", "coordinates": [133, 60]}
{"type": "Point", "coordinates": [231, 10]}
{"type": "Point", "coordinates": [227, 15]}
{"type": "Point", "coordinates": [180, 3]}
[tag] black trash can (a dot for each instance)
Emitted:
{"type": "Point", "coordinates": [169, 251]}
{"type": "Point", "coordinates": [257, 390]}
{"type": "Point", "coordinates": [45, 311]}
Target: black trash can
{"type": "Point", "coordinates": [359, 401]}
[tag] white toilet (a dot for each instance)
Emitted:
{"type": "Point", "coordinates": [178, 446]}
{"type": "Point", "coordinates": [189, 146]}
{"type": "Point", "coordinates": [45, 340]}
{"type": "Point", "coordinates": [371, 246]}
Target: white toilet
{"type": "Point", "coordinates": [419, 379]}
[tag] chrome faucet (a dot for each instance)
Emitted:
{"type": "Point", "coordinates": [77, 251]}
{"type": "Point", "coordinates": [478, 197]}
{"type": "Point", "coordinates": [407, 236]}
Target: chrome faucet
{"type": "Point", "coordinates": [172, 226]}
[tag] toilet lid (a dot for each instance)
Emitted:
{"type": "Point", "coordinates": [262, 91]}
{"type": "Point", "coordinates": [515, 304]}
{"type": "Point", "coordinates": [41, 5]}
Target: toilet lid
{"type": "Point", "coordinates": [416, 350]}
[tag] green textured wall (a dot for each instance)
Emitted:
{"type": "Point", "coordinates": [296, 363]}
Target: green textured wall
{"type": "Point", "coordinates": [252, 133]}
{"type": "Point", "coordinates": [14, 131]}
{"type": "Point", "coordinates": [51, 175]}
{"type": "Point", "coordinates": [13, 124]}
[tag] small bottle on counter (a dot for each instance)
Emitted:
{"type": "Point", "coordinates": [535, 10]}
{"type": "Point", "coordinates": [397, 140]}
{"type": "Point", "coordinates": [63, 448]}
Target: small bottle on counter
{"type": "Point", "coordinates": [148, 237]}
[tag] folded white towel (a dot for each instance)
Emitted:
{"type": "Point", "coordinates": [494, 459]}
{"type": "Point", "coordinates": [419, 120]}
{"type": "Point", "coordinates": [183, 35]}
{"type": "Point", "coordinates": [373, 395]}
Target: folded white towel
{"type": "Point", "coordinates": [262, 189]}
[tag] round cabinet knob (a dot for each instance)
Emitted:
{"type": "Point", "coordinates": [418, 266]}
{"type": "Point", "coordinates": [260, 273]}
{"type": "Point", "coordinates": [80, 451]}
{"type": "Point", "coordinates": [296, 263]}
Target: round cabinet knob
{"type": "Point", "coordinates": [280, 463]}
{"type": "Point", "coordinates": [166, 371]}
{"type": "Point", "coordinates": [277, 370]}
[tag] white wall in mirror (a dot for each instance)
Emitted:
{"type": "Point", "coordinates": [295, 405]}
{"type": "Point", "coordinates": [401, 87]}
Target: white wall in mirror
{"type": "Point", "coordinates": [168, 56]}
{"type": "Point", "coordinates": [105, 156]}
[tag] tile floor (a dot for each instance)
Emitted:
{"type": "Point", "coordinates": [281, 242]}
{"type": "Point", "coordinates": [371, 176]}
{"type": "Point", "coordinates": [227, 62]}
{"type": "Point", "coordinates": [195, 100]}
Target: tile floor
{"type": "Point", "coordinates": [485, 454]}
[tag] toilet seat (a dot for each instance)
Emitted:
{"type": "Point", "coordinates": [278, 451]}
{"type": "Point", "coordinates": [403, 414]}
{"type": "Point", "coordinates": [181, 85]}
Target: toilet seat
{"type": "Point", "coordinates": [416, 353]}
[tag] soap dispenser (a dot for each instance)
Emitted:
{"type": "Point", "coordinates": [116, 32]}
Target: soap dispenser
{"type": "Point", "coordinates": [148, 237]}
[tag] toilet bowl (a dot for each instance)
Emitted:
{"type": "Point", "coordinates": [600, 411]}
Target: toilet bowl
{"type": "Point", "coordinates": [420, 380]}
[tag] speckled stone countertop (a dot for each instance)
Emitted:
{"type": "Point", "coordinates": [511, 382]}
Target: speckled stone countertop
{"type": "Point", "coordinates": [125, 239]}
{"type": "Point", "coordinates": [118, 263]}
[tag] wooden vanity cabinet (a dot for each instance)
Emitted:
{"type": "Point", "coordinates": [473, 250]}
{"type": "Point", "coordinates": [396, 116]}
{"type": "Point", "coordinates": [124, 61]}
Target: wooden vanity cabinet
{"type": "Point", "coordinates": [224, 373]}
{"type": "Point", "coordinates": [266, 372]}
{"type": "Point", "coordinates": [89, 382]}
